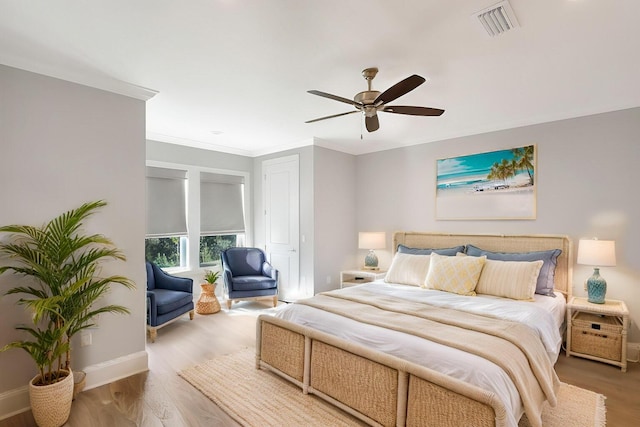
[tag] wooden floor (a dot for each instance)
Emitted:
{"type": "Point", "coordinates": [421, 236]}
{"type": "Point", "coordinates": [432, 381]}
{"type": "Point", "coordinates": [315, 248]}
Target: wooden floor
{"type": "Point", "coordinates": [160, 397]}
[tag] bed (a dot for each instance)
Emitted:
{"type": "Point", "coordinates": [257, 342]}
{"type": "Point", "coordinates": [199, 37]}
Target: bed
{"type": "Point", "coordinates": [400, 354]}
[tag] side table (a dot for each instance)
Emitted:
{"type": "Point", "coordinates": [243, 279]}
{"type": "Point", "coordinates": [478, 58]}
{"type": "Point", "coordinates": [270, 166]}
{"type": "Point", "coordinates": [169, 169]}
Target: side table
{"type": "Point", "coordinates": [598, 331]}
{"type": "Point", "coordinates": [208, 302]}
{"type": "Point", "coordinates": [357, 277]}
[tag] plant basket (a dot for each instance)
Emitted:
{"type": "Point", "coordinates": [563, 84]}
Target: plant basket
{"type": "Point", "coordinates": [51, 404]}
{"type": "Point", "coordinates": [79, 382]}
{"type": "Point", "coordinates": [208, 302]}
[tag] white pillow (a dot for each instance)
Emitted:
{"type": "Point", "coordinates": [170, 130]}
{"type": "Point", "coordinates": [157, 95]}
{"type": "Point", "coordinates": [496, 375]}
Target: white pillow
{"type": "Point", "coordinates": [408, 269]}
{"type": "Point", "coordinates": [457, 274]}
{"type": "Point", "coordinates": [509, 279]}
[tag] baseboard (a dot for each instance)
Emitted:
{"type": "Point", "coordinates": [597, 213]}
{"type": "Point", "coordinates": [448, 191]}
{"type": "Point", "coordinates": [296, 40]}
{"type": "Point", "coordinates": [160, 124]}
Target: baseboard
{"type": "Point", "coordinates": [15, 401]}
{"type": "Point", "coordinates": [116, 369]}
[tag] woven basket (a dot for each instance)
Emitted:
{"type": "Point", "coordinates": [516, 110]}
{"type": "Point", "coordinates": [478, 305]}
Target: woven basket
{"type": "Point", "coordinates": [79, 382]}
{"type": "Point", "coordinates": [51, 404]}
{"type": "Point", "coordinates": [208, 302]}
{"type": "Point", "coordinates": [597, 336]}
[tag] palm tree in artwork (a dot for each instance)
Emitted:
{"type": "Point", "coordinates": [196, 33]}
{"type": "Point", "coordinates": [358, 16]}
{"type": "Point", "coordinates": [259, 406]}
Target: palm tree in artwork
{"type": "Point", "coordinates": [508, 170]}
{"type": "Point", "coordinates": [524, 160]}
{"type": "Point", "coordinates": [494, 174]}
{"type": "Point", "coordinates": [502, 171]}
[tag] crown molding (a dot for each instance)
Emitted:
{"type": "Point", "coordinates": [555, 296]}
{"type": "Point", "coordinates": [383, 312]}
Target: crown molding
{"type": "Point", "coordinates": [95, 81]}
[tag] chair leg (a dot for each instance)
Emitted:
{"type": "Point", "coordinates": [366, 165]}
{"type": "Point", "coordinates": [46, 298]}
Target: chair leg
{"type": "Point", "coordinates": [153, 333]}
{"type": "Point", "coordinates": [275, 301]}
{"type": "Point", "coordinates": [229, 302]}
{"type": "Point", "coordinates": [191, 314]}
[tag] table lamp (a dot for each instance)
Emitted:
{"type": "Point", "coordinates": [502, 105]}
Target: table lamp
{"type": "Point", "coordinates": [371, 240]}
{"type": "Point", "coordinates": [597, 253]}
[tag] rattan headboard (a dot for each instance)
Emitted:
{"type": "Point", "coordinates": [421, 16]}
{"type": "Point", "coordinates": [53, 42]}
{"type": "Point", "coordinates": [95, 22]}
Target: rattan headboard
{"type": "Point", "coordinates": [498, 243]}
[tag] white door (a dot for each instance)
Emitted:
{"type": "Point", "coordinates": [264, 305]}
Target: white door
{"type": "Point", "coordinates": [282, 222]}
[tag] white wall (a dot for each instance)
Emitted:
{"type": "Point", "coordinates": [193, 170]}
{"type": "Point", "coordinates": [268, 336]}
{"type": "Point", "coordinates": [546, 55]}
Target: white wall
{"type": "Point", "coordinates": [63, 144]}
{"type": "Point", "coordinates": [587, 186]}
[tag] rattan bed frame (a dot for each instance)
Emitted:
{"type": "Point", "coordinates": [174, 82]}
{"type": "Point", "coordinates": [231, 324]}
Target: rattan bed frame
{"type": "Point", "coordinates": [381, 389]}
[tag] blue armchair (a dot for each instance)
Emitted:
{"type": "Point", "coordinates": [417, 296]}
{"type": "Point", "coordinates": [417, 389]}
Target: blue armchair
{"type": "Point", "coordinates": [248, 275]}
{"type": "Point", "coordinates": [168, 298]}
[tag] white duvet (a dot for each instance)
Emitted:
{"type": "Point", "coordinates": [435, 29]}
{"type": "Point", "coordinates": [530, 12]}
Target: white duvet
{"type": "Point", "coordinates": [545, 315]}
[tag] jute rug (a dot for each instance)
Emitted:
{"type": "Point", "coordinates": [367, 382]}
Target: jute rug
{"type": "Point", "coordinates": [258, 398]}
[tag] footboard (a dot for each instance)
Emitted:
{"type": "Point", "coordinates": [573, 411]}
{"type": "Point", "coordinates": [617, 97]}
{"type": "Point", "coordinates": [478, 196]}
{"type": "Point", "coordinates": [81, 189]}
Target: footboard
{"type": "Point", "coordinates": [378, 388]}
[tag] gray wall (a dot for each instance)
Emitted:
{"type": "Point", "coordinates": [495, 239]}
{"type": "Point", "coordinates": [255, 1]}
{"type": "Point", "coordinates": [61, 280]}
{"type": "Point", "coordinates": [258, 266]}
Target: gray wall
{"type": "Point", "coordinates": [335, 219]}
{"type": "Point", "coordinates": [172, 153]}
{"type": "Point", "coordinates": [64, 144]}
{"type": "Point", "coordinates": [586, 187]}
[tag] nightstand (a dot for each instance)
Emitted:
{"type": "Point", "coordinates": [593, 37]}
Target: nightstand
{"type": "Point", "coordinates": [598, 331]}
{"type": "Point", "coordinates": [357, 277]}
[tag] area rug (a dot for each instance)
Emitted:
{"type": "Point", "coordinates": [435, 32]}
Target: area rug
{"type": "Point", "coordinates": [259, 398]}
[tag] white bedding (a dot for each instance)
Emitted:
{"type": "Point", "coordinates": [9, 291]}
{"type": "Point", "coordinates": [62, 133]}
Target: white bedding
{"type": "Point", "coordinates": [545, 315]}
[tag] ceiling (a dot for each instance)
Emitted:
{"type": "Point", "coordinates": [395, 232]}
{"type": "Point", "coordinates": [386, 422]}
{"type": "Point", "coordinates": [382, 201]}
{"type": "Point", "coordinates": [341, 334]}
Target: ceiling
{"type": "Point", "coordinates": [233, 75]}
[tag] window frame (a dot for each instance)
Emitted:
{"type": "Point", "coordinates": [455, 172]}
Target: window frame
{"type": "Point", "coordinates": [193, 210]}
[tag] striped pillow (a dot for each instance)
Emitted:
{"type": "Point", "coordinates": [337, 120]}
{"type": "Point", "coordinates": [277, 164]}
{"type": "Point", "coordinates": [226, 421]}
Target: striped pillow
{"type": "Point", "coordinates": [454, 274]}
{"type": "Point", "coordinates": [408, 269]}
{"type": "Point", "coordinates": [509, 279]}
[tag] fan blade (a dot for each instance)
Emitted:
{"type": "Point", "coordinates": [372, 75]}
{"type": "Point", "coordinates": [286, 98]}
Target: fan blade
{"type": "Point", "coordinates": [331, 117]}
{"type": "Point", "coordinates": [335, 98]}
{"type": "Point", "coordinates": [399, 89]}
{"type": "Point", "coordinates": [413, 111]}
{"type": "Point", "coordinates": [372, 123]}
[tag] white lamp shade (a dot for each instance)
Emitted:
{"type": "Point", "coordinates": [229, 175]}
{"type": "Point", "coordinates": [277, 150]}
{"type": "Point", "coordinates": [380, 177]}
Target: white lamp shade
{"type": "Point", "coordinates": [372, 240]}
{"type": "Point", "coordinates": [599, 253]}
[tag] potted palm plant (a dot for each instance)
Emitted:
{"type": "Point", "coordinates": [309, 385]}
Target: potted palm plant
{"type": "Point", "coordinates": [62, 281]}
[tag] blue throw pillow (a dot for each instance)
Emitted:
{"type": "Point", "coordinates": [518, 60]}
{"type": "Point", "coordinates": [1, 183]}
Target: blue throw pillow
{"type": "Point", "coordinates": [420, 251]}
{"type": "Point", "coordinates": [544, 286]}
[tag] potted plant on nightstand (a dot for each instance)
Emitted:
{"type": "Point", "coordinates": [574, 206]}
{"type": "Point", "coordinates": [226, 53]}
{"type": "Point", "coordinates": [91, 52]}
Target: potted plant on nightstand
{"type": "Point", "coordinates": [208, 302]}
{"type": "Point", "coordinates": [62, 283]}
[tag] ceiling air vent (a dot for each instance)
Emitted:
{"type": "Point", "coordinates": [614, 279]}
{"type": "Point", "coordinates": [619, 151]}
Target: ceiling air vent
{"type": "Point", "coordinates": [497, 19]}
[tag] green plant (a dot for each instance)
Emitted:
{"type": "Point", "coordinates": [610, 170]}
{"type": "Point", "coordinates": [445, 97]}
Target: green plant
{"type": "Point", "coordinates": [211, 276]}
{"type": "Point", "coordinates": [63, 265]}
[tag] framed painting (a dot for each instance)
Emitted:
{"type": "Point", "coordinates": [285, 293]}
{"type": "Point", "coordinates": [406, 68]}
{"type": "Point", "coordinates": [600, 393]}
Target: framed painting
{"type": "Point", "coordinates": [493, 185]}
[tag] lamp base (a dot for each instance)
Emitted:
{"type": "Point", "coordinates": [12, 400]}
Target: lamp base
{"type": "Point", "coordinates": [596, 287]}
{"type": "Point", "coordinates": [371, 261]}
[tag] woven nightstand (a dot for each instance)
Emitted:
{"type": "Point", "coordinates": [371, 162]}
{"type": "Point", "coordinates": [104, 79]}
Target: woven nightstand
{"type": "Point", "coordinates": [598, 331]}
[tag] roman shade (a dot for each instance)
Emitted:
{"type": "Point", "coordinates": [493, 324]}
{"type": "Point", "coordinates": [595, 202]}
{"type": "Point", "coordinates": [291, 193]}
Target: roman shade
{"type": "Point", "coordinates": [221, 205]}
{"type": "Point", "coordinates": [166, 202]}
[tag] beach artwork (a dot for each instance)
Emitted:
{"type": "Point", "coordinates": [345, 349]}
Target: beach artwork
{"type": "Point", "coordinates": [493, 185]}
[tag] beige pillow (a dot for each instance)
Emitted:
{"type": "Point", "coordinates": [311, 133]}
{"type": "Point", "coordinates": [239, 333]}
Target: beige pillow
{"type": "Point", "coordinates": [408, 269]}
{"type": "Point", "coordinates": [509, 279]}
{"type": "Point", "coordinates": [457, 274]}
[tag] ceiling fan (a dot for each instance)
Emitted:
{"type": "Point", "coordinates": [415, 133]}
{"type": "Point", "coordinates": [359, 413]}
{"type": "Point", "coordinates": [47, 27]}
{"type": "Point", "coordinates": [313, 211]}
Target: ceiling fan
{"type": "Point", "coordinates": [369, 102]}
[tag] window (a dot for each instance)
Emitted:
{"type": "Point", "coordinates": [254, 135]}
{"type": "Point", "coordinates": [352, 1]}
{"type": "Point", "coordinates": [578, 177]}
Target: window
{"type": "Point", "coordinates": [193, 214]}
{"type": "Point", "coordinates": [165, 251]}
{"type": "Point", "coordinates": [212, 246]}
{"type": "Point", "coordinates": [221, 215]}
{"type": "Point", "coordinates": [166, 235]}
